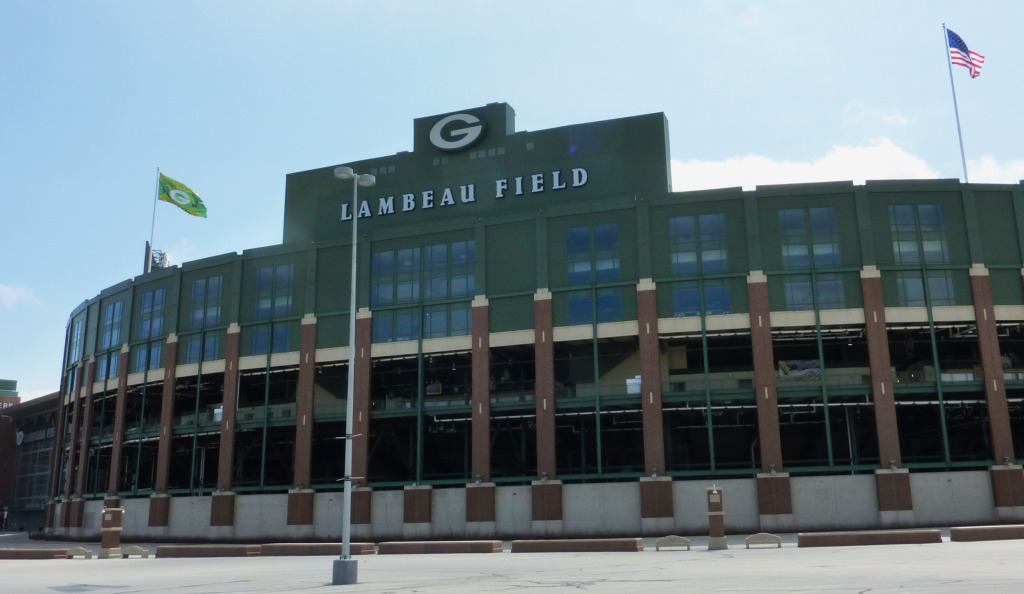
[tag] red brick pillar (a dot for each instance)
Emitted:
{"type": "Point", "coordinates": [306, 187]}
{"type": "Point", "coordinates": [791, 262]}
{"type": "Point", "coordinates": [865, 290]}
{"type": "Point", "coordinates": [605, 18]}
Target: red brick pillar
{"type": "Point", "coordinates": [160, 501]}
{"type": "Point", "coordinates": [480, 493]}
{"type": "Point", "coordinates": [772, 483]}
{"type": "Point", "coordinates": [656, 487]}
{"type": "Point", "coordinates": [892, 482]}
{"type": "Point", "coordinates": [84, 435]}
{"type": "Point", "coordinates": [117, 440]}
{"type": "Point", "coordinates": [222, 504]}
{"type": "Point", "coordinates": [1007, 475]}
{"type": "Point", "coordinates": [361, 424]}
{"type": "Point", "coordinates": [546, 491]}
{"type": "Point", "coordinates": [67, 509]}
{"type": "Point", "coordinates": [300, 499]}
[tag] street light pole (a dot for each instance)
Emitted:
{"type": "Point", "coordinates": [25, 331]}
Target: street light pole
{"type": "Point", "coordinates": [345, 568]}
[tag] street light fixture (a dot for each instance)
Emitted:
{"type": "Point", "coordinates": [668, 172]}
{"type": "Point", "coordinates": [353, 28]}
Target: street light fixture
{"type": "Point", "coordinates": [345, 568]}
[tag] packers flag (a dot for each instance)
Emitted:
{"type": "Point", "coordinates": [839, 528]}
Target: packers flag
{"type": "Point", "coordinates": [181, 196]}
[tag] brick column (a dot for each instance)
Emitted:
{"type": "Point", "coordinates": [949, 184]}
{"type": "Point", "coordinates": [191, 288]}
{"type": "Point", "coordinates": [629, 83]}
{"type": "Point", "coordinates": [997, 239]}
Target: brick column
{"type": "Point", "coordinates": [77, 505]}
{"type": "Point", "coordinates": [69, 472]}
{"type": "Point", "coordinates": [53, 490]}
{"type": "Point", "coordinates": [772, 483]}
{"type": "Point", "coordinates": [655, 493]}
{"type": "Point", "coordinates": [159, 502]}
{"type": "Point", "coordinates": [480, 493]}
{"type": "Point", "coordinates": [300, 499]}
{"type": "Point", "coordinates": [361, 424]}
{"type": "Point", "coordinates": [117, 439]}
{"type": "Point", "coordinates": [892, 482]}
{"type": "Point", "coordinates": [222, 505]}
{"type": "Point", "coordinates": [1007, 475]}
{"type": "Point", "coordinates": [546, 492]}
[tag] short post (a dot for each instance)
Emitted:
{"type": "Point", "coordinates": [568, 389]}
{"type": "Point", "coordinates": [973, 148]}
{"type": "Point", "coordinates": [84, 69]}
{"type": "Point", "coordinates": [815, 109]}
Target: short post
{"type": "Point", "coordinates": [110, 533]}
{"type": "Point", "coordinates": [716, 520]}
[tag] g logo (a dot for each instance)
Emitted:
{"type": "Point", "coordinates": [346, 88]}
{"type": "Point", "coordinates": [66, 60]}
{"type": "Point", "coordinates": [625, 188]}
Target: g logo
{"type": "Point", "coordinates": [180, 197]}
{"type": "Point", "coordinates": [452, 138]}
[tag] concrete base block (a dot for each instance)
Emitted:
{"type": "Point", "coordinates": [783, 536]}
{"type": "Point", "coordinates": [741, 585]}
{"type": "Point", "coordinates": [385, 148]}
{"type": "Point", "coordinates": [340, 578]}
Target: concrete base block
{"type": "Point", "coordinates": [893, 488]}
{"type": "Point", "coordinates": [775, 523]}
{"type": "Point", "coordinates": [773, 494]}
{"type": "Point", "coordinates": [547, 527]}
{"type": "Point", "coordinates": [222, 509]}
{"type": "Point", "coordinates": [1010, 514]}
{"type": "Point", "coordinates": [159, 510]}
{"type": "Point", "coordinates": [656, 497]}
{"type": "Point", "coordinates": [300, 507]}
{"type": "Point", "coordinates": [480, 502]}
{"type": "Point", "coordinates": [417, 504]}
{"type": "Point", "coordinates": [717, 543]}
{"type": "Point", "coordinates": [896, 519]}
{"type": "Point", "coordinates": [109, 553]}
{"type": "Point", "coordinates": [346, 572]}
{"type": "Point", "coordinates": [418, 531]}
{"type": "Point", "coordinates": [657, 526]}
{"type": "Point", "coordinates": [546, 500]}
{"type": "Point", "coordinates": [481, 530]}
{"type": "Point", "coordinates": [1007, 485]}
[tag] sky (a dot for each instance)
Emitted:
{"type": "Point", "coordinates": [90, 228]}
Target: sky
{"type": "Point", "coordinates": [231, 96]}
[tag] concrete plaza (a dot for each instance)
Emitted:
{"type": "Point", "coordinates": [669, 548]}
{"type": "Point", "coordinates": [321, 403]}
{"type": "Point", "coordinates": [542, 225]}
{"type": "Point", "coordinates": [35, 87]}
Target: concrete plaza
{"type": "Point", "coordinates": [992, 566]}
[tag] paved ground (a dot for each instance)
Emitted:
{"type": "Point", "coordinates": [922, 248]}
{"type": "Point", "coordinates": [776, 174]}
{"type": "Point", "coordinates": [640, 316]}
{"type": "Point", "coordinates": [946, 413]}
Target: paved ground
{"type": "Point", "coordinates": [948, 567]}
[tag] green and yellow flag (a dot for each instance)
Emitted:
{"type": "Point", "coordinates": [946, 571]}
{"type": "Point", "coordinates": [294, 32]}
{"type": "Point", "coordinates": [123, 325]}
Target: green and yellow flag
{"type": "Point", "coordinates": [181, 196]}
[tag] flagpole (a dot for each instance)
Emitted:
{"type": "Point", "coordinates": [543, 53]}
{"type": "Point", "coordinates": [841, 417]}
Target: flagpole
{"type": "Point", "coordinates": [152, 226]}
{"type": "Point", "coordinates": [956, 111]}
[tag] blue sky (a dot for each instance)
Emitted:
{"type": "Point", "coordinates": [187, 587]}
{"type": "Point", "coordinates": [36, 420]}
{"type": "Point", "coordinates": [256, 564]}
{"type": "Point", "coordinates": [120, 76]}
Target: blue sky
{"type": "Point", "coordinates": [230, 96]}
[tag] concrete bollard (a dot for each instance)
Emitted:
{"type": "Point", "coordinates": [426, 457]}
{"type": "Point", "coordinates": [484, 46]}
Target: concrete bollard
{"type": "Point", "coordinates": [716, 520]}
{"type": "Point", "coordinates": [110, 533]}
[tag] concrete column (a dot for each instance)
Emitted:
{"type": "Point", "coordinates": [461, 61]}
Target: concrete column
{"type": "Point", "coordinates": [300, 499]}
{"type": "Point", "coordinates": [544, 360]}
{"type": "Point", "coordinates": [117, 441]}
{"type": "Point", "coordinates": [1007, 476]}
{"type": "Point", "coordinates": [55, 455]}
{"type": "Point", "coordinates": [773, 493]}
{"type": "Point", "coordinates": [481, 403]}
{"type": "Point", "coordinates": [361, 424]}
{"type": "Point", "coordinates": [222, 510]}
{"type": "Point", "coordinates": [650, 378]}
{"type": "Point", "coordinates": [159, 502]}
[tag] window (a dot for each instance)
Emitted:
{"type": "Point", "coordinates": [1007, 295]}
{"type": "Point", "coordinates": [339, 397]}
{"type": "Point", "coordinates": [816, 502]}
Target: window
{"type": "Point", "coordinates": [76, 341]}
{"type": "Point", "coordinates": [809, 237]}
{"type": "Point", "coordinates": [206, 296]}
{"type": "Point", "coordinates": [918, 234]}
{"type": "Point", "coordinates": [278, 339]}
{"type": "Point", "coordinates": [607, 300]}
{"type": "Point", "coordinates": [686, 298]}
{"type": "Point", "coordinates": [592, 254]}
{"type": "Point", "coordinates": [698, 244]}
{"type": "Point", "coordinates": [274, 291]}
{"type": "Point", "coordinates": [827, 289]}
{"type": "Point", "coordinates": [111, 326]}
{"type": "Point", "coordinates": [148, 356]}
{"type": "Point", "coordinates": [202, 346]}
{"type": "Point", "coordinates": [152, 313]}
{"type": "Point", "coordinates": [435, 272]}
{"type": "Point", "coordinates": [910, 288]}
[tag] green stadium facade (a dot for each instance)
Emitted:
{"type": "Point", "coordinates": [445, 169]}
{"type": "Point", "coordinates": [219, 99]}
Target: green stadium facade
{"type": "Point", "coordinates": [550, 342]}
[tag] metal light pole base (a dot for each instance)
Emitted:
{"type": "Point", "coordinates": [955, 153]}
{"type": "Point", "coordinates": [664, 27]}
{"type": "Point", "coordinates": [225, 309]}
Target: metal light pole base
{"type": "Point", "coordinates": [345, 572]}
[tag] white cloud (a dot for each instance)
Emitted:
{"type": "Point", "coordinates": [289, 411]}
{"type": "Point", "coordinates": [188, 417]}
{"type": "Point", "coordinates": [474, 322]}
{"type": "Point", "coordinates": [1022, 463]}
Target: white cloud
{"type": "Point", "coordinates": [13, 295]}
{"type": "Point", "coordinates": [988, 170]}
{"type": "Point", "coordinates": [881, 160]}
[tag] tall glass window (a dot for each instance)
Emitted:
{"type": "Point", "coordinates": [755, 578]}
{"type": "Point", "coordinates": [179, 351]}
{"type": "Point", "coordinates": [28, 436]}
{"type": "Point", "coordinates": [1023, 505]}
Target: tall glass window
{"type": "Point", "coordinates": [273, 300]}
{"type": "Point", "coordinates": [206, 296]}
{"type": "Point", "coordinates": [76, 340]}
{"type": "Point", "coordinates": [431, 273]}
{"type": "Point", "coordinates": [151, 323]}
{"type": "Point", "coordinates": [698, 244]}
{"type": "Point", "coordinates": [809, 237]}
{"type": "Point", "coordinates": [918, 234]}
{"type": "Point", "coordinates": [111, 336]}
{"type": "Point", "coordinates": [592, 255]}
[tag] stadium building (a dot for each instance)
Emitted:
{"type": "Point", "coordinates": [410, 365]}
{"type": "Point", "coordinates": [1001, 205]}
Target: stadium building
{"type": "Point", "coordinates": [551, 342]}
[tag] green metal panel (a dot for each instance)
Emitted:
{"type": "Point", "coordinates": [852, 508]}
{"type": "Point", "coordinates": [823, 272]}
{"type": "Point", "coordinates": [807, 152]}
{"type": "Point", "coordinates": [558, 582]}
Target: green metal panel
{"type": "Point", "coordinates": [1007, 288]}
{"type": "Point", "coordinates": [333, 280]}
{"type": "Point", "coordinates": [332, 331]}
{"type": "Point", "coordinates": [997, 228]}
{"type": "Point", "coordinates": [511, 313]}
{"type": "Point", "coordinates": [512, 262]}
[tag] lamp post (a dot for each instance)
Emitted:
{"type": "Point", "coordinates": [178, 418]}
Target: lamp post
{"type": "Point", "coordinates": [345, 569]}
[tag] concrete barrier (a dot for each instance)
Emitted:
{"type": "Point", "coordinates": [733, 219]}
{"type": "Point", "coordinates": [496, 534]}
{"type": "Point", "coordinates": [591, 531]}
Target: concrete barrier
{"type": "Point", "coordinates": [212, 550]}
{"type": "Point", "coordinates": [867, 537]}
{"type": "Point", "coordinates": [976, 533]}
{"type": "Point", "coordinates": [33, 553]}
{"type": "Point", "coordinates": [578, 545]}
{"type": "Point", "coordinates": [439, 546]}
{"type": "Point", "coordinates": [281, 549]}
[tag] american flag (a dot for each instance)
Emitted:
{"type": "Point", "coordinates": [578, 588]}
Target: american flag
{"type": "Point", "coordinates": [961, 56]}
